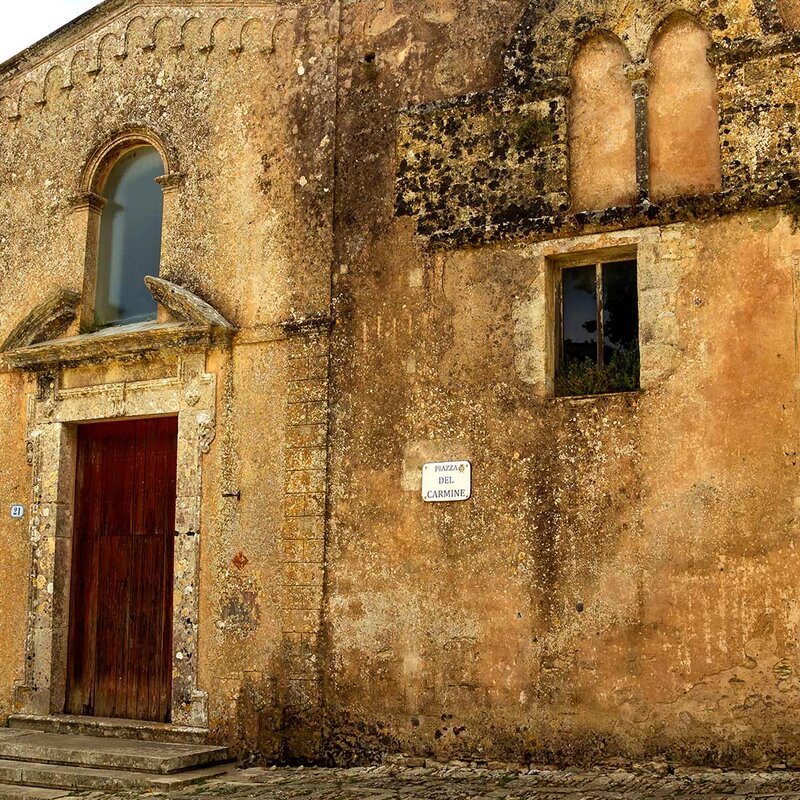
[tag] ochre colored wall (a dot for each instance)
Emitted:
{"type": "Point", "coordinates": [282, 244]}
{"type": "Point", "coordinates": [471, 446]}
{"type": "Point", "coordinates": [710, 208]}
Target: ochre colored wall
{"type": "Point", "coordinates": [602, 137]}
{"type": "Point", "coordinates": [663, 516]}
{"type": "Point", "coordinates": [683, 120]}
{"type": "Point", "coordinates": [622, 581]}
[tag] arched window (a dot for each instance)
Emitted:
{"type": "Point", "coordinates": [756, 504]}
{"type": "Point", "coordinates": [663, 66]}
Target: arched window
{"type": "Point", "coordinates": [683, 112]}
{"type": "Point", "coordinates": [602, 127]}
{"type": "Point", "coordinates": [130, 238]}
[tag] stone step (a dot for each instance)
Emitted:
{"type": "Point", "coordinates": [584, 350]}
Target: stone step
{"type": "Point", "coordinates": [54, 776]}
{"type": "Point", "coordinates": [106, 753]}
{"type": "Point", "coordinates": [107, 726]}
{"type": "Point", "coordinates": [10, 792]}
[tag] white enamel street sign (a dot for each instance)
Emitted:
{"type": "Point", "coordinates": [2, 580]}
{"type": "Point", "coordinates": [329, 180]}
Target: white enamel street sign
{"type": "Point", "coordinates": [17, 511]}
{"type": "Point", "coordinates": [447, 481]}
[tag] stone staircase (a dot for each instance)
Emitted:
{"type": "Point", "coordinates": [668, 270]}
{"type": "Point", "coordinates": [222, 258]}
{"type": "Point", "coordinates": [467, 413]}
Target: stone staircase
{"type": "Point", "coordinates": [57, 758]}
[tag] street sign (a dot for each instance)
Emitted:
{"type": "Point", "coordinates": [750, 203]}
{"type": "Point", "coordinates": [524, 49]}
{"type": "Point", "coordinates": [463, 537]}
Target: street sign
{"type": "Point", "coordinates": [447, 481]}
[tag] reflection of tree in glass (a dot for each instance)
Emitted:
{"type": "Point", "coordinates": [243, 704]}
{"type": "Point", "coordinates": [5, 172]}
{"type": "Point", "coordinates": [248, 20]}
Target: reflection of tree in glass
{"type": "Point", "coordinates": [581, 371]}
{"type": "Point", "coordinates": [620, 317]}
{"type": "Point", "coordinates": [585, 280]}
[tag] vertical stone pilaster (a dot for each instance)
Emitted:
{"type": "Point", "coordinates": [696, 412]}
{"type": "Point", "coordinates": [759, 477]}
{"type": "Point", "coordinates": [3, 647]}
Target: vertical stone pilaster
{"type": "Point", "coordinates": [171, 185]}
{"type": "Point", "coordinates": [639, 75]}
{"type": "Point", "coordinates": [43, 687]}
{"type": "Point", "coordinates": [303, 540]}
{"type": "Point", "coordinates": [85, 229]}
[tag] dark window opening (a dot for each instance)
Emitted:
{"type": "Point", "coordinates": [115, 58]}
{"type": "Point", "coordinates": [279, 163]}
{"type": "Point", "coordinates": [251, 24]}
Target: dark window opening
{"type": "Point", "coordinates": [598, 329]}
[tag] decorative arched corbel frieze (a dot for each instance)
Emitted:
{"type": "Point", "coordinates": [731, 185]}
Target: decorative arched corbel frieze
{"type": "Point", "coordinates": [47, 321]}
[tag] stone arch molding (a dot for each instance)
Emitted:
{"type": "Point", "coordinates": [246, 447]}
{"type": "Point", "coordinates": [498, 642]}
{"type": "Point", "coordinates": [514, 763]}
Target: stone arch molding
{"type": "Point", "coordinates": [177, 32]}
{"type": "Point", "coordinates": [551, 33]}
{"type": "Point", "coordinates": [104, 156]}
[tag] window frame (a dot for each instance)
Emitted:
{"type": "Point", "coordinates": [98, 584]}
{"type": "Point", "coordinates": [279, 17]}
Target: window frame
{"type": "Point", "coordinates": [597, 258]}
{"type": "Point", "coordinates": [88, 203]}
{"type": "Point", "coordinates": [100, 265]}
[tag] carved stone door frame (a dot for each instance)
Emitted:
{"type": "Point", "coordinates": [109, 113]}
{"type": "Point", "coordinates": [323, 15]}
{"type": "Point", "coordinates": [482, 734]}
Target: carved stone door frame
{"type": "Point", "coordinates": [53, 416]}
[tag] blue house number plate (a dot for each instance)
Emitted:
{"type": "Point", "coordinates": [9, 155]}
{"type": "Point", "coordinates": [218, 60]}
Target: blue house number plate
{"type": "Point", "coordinates": [17, 512]}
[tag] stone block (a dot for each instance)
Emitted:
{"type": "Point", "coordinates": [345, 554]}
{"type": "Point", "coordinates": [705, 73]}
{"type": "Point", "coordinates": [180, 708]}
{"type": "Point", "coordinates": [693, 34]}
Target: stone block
{"type": "Point", "coordinates": [307, 436]}
{"type": "Point", "coordinates": [306, 458]}
{"type": "Point", "coordinates": [318, 367]}
{"type": "Point", "coordinates": [317, 413]}
{"type": "Point", "coordinates": [305, 480]}
{"type": "Point", "coordinates": [303, 694]}
{"type": "Point", "coordinates": [302, 597]}
{"type": "Point", "coordinates": [297, 414]}
{"type": "Point", "coordinates": [315, 504]}
{"type": "Point", "coordinates": [298, 368]}
{"type": "Point", "coordinates": [301, 620]}
{"type": "Point", "coordinates": [303, 574]}
{"type": "Point", "coordinates": [314, 391]}
{"type": "Point", "coordinates": [293, 550]}
{"type": "Point", "coordinates": [314, 550]}
{"type": "Point", "coordinates": [311, 527]}
{"type": "Point", "coordinates": [294, 505]}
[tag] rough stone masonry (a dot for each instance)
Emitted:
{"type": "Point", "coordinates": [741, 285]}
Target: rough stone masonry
{"type": "Point", "coordinates": [370, 207]}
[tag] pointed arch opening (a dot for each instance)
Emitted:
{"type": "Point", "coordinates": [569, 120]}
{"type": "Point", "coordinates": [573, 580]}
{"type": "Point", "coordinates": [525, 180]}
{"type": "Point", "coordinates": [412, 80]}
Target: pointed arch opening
{"type": "Point", "coordinates": [602, 126]}
{"type": "Point", "coordinates": [683, 111]}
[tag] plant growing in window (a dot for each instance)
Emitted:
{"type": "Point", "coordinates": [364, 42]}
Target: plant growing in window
{"type": "Point", "coordinates": [597, 329]}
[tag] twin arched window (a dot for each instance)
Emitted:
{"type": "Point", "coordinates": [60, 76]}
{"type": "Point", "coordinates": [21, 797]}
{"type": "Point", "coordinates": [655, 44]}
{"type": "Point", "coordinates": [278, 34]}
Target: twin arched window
{"type": "Point", "coordinates": [602, 127]}
{"type": "Point", "coordinates": [126, 243]}
{"type": "Point", "coordinates": [648, 130]}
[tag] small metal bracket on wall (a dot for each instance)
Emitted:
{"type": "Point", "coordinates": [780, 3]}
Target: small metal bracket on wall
{"type": "Point", "coordinates": [237, 495]}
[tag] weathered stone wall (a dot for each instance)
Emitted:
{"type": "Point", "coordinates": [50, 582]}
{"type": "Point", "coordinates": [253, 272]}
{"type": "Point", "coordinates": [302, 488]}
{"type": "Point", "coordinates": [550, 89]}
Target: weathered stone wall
{"type": "Point", "coordinates": [373, 193]}
{"type": "Point", "coordinates": [621, 582]}
{"type": "Point", "coordinates": [489, 197]}
{"type": "Point", "coordinates": [242, 96]}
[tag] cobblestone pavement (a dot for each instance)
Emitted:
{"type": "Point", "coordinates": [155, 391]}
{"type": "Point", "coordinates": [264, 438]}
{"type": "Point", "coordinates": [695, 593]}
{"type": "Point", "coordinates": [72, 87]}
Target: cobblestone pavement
{"type": "Point", "coordinates": [461, 783]}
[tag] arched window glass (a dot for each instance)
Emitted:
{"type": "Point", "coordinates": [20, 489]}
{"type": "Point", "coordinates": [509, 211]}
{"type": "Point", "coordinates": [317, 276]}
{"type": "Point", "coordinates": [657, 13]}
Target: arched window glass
{"type": "Point", "coordinates": [130, 238]}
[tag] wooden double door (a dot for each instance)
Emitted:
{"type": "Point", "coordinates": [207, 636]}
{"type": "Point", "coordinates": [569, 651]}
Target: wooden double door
{"type": "Point", "coordinates": [120, 629]}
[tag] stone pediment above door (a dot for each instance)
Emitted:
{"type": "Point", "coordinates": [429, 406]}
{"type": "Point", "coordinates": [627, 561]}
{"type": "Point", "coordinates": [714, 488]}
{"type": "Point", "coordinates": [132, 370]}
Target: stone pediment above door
{"type": "Point", "coordinates": [40, 342]}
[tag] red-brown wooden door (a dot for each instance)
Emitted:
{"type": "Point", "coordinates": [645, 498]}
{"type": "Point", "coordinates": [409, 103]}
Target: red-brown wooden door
{"type": "Point", "coordinates": [120, 632]}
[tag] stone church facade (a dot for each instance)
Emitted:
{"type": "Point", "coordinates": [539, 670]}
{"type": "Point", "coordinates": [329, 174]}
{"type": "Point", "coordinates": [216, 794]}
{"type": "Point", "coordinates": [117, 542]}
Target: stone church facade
{"type": "Point", "coordinates": [557, 240]}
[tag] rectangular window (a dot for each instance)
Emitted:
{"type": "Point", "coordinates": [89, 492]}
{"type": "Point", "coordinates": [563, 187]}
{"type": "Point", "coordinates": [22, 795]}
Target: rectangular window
{"type": "Point", "coordinates": [597, 331]}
